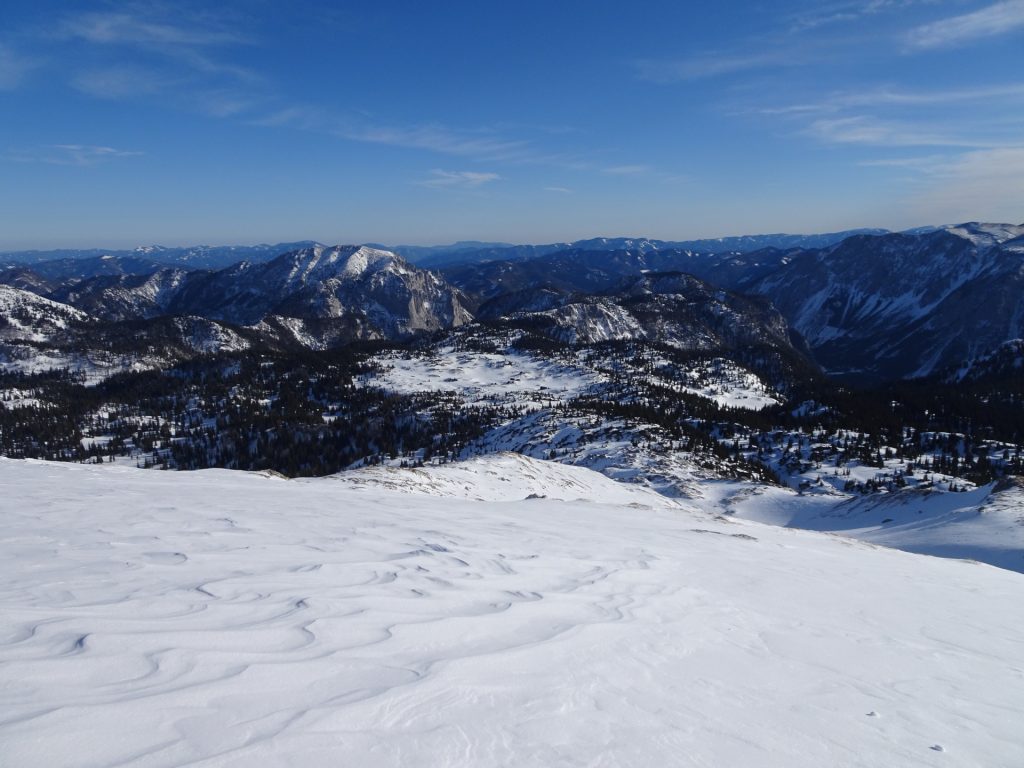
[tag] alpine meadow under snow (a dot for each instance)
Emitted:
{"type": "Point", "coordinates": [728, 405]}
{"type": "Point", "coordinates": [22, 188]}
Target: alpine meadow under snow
{"type": "Point", "coordinates": [502, 612]}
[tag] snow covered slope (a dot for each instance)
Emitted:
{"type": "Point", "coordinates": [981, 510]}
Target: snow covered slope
{"type": "Point", "coordinates": [24, 316]}
{"type": "Point", "coordinates": [984, 524]}
{"type": "Point", "coordinates": [127, 296]}
{"type": "Point", "coordinates": [504, 477]}
{"type": "Point", "coordinates": [508, 375]}
{"type": "Point", "coordinates": [98, 351]}
{"type": "Point", "coordinates": [483, 377]}
{"type": "Point", "coordinates": [224, 619]}
{"type": "Point", "coordinates": [635, 454]}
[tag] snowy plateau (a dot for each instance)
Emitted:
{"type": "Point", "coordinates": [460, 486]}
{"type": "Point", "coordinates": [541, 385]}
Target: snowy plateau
{"type": "Point", "coordinates": [546, 617]}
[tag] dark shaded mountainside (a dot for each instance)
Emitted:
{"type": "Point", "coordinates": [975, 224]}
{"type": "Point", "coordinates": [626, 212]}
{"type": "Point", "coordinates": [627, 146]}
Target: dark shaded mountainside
{"type": "Point", "coordinates": [872, 307]}
{"type": "Point", "coordinates": [666, 309]}
{"type": "Point", "coordinates": [903, 306]}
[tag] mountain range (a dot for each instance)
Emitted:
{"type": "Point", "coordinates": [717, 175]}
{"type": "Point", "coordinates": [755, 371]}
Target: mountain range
{"type": "Point", "coordinates": [429, 257]}
{"type": "Point", "coordinates": [869, 306]}
{"type": "Point", "coordinates": [193, 257]}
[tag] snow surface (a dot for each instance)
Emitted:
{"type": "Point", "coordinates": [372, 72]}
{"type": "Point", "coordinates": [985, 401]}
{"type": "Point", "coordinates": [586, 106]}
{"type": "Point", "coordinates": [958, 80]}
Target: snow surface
{"type": "Point", "coordinates": [228, 619]}
{"type": "Point", "coordinates": [484, 377]}
{"type": "Point", "coordinates": [637, 454]}
{"type": "Point", "coordinates": [921, 514]}
{"type": "Point", "coordinates": [503, 477]}
{"type": "Point", "coordinates": [29, 317]}
{"type": "Point", "coordinates": [984, 524]}
{"type": "Point", "coordinates": [532, 380]}
{"type": "Point", "coordinates": [21, 398]}
{"type": "Point", "coordinates": [729, 385]}
{"type": "Point", "coordinates": [986, 234]}
{"type": "Point", "coordinates": [95, 366]}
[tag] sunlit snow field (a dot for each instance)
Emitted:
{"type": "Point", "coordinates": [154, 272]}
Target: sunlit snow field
{"type": "Point", "coordinates": [534, 381]}
{"type": "Point", "coordinates": [228, 619]}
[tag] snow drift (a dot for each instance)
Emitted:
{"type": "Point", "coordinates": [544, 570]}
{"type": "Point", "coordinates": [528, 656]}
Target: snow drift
{"type": "Point", "coordinates": [227, 619]}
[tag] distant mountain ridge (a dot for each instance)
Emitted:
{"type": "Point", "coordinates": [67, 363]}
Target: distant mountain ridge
{"type": "Point", "coordinates": [62, 261]}
{"type": "Point", "coordinates": [465, 253]}
{"type": "Point", "coordinates": [68, 261]}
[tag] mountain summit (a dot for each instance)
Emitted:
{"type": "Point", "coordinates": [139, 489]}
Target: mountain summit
{"type": "Point", "coordinates": [335, 293]}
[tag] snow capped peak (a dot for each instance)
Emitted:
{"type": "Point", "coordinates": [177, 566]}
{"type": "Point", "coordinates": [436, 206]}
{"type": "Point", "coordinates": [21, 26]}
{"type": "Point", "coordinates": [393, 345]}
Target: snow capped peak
{"type": "Point", "coordinates": [363, 292]}
{"type": "Point", "coordinates": [320, 262]}
{"type": "Point", "coordinates": [987, 234]}
{"type": "Point", "coordinates": [366, 259]}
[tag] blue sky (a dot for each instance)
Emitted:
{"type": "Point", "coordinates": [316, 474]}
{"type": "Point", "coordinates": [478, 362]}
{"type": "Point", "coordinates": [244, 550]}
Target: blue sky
{"type": "Point", "coordinates": [411, 122]}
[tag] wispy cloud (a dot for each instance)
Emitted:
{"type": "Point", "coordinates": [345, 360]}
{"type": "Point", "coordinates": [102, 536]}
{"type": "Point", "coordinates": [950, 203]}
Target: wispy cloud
{"type": "Point", "coordinates": [140, 28]}
{"type": "Point", "coordinates": [787, 110]}
{"type": "Point", "coordinates": [479, 144]}
{"type": "Point", "coordinates": [457, 179]}
{"type": "Point", "coordinates": [559, 190]}
{"type": "Point", "coordinates": [437, 138]}
{"type": "Point", "coordinates": [642, 171]}
{"type": "Point", "coordinates": [627, 170]}
{"type": "Point", "coordinates": [982, 183]}
{"type": "Point", "coordinates": [71, 154]}
{"type": "Point", "coordinates": [148, 49]}
{"type": "Point", "coordinates": [120, 82]}
{"type": "Point", "coordinates": [223, 102]}
{"type": "Point", "coordinates": [826, 14]}
{"type": "Point", "coordinates": [707, 65]}
{"type": "Point", "coordinates": [13, 68]}
{"type": "Point", "coordinates": [997, 19]}
{"type": "Point", "coordinates": [926, 164]}
{"type": "Point", "coordinates": [296, 116]}
{"type": "Point", "coordinates": [154, 52]}
{"type": "Point", "coordinates": [805, 23]}
{"type": "Point", "coordinates": [868, 130]}
{"type": "Point", "coordinates": [895, 97]}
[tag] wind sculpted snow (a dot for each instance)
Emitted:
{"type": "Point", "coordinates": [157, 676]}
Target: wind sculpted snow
{"type": "Point", "coordinates": [230, 619]}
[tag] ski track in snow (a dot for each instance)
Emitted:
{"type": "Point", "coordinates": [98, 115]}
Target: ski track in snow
{"type": "Point", "coordinates": [229, 619]}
